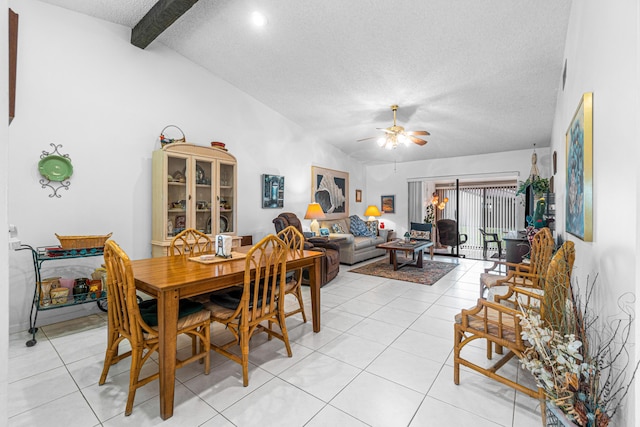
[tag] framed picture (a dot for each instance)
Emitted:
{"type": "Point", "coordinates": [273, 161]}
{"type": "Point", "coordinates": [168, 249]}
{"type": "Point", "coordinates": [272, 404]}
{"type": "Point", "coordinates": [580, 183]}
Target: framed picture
{"type": "Point", "coordinates": [324, 231]}
{"type": "Point", "coordinates": [579, 194]}
{"type": "Point", "coordinates": [330, 188]}
{"type": "Point", "coordinates": [272, 191]}
{"type": "Point", "coordinates": [388, 204]}
{"type": "Point", "coordinates": [358, 196]}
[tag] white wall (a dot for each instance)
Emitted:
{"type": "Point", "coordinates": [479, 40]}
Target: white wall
{"type": "Point", "coordinates": [392, 179]}
{"type": "Point", "coordinates": [83, 85]}
{"type": "Point", "coordinates": [4, 256]}
{"type": "Point", "coordinates": [602, 52]}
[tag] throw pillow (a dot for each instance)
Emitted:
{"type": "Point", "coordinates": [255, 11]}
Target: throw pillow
{"type": "Point", "coordinates": [359, 228]}
{"type": "Point", "coordinates": [373, 227]}
{"type": "Point", "coordinates": [425, 235]}
{"type": "Point", "coordinates": [337, 228]}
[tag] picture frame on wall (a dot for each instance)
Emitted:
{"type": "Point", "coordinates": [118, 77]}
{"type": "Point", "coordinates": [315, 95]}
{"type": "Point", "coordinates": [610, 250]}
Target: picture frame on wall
{"type": "Point", "coordinates": [358, 196]}
{"type": "Point", "coordinates": [388, 204]}
{"type": "Point", "coordinates": [272, 191]}
{"type": "Point", "coordinates": [330, 188]}
{"type": "Point", "coordinates": [579, 182]}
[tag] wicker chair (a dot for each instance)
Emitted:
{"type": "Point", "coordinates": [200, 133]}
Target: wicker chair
{"type": "Point", "coordinates": [243, 312]}
{"type": "Point", "coordinates": [520, 274]}
{"type": "Point", "coordinates": [138, 323]}
{"type": "Point", "coordinates": [500, 325]}
{"type": "Point", "coordinates": [190, 242]}
{"type": "Point", "coordinates": [294, 240]}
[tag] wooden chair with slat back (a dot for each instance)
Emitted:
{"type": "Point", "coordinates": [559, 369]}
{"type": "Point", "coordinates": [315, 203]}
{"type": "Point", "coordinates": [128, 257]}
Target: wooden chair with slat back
{"type": "Point", "coordinates": [521, 274]}
{"type": "Point", "coordinates": [190, 242]}
{"type": "Point", "coordinates": [294, 240]}
{"type": "Point", "coordinates": [261, 300]}
{"type": "Point", "coordinates": [500, 325]}
{"type": "Point", "coordinates": [138, 323]}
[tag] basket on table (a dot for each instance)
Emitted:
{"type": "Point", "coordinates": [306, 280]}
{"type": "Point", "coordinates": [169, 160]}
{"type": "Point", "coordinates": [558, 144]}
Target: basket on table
{"type": "Point", "coordinates": [83, 242]}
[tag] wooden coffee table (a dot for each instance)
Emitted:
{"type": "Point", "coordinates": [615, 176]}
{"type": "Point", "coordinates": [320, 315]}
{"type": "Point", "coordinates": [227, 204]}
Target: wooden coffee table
{"type": "Point", "coordinates": [416, 247]}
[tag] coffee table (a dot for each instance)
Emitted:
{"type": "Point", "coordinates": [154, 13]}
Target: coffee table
{"type": "Point", "coordinates": [416, 247]}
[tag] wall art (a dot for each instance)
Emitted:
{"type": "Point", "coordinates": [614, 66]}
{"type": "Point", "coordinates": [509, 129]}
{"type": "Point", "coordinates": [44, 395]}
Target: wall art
{"type": "Point", "coordinates": [272, 191]}
{"type": "Point", "coordinates": [330, 188]}
{"type": "Point", "coordinates": [579, 191]}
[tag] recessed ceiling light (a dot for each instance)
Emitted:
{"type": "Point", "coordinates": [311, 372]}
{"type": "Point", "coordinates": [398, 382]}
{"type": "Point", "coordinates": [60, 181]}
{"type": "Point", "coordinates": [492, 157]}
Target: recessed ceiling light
{"type": "Point", "coordinates": [258, 19]}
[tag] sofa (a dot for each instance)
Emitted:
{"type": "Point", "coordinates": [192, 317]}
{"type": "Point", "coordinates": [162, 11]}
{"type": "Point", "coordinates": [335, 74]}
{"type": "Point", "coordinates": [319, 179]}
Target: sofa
{"type": "Point", "coordinates": [354, 247]}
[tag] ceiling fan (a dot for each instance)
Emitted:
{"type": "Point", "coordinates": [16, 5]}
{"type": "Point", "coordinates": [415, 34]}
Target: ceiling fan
{"type": "Point", "coordinates": [395, 135]}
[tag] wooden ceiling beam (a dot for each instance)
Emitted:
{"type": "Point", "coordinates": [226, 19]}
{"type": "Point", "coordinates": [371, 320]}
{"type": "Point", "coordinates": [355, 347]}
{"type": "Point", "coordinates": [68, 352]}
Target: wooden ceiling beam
{"type": "Point", "coordinates": [159, 18]}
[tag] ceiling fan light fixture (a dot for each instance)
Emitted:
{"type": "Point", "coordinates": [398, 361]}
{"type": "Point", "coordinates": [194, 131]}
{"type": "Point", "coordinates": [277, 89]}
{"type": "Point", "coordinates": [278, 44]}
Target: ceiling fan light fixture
{"type": "Point", "coordinates": [258, 19]}
{"type": "Point", "coordinates": [381, 141]}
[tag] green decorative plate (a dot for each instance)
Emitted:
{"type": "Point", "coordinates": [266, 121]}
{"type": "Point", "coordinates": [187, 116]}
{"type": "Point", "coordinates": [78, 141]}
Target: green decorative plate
{"type": "Point", "coordinates": [55, 168]}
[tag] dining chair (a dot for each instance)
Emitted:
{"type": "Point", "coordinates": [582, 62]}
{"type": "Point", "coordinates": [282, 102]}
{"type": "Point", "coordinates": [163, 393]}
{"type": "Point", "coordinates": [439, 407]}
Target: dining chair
{"type": "Point", "coordinates": [137, 323]}
{"type": "Point", "coordinates": [521, 274]}
{"type": "Point", "coordinates": [260, 301]}
{"type": "Point", "coordinates": [500, 325]}
{"type": "Point", "coordinates": [294, 240]}
{"type": "Point", "coordinates": [190, 242]}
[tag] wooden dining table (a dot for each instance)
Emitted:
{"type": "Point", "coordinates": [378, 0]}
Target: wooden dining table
{"type": "Point", "coordinates": [171, 278]}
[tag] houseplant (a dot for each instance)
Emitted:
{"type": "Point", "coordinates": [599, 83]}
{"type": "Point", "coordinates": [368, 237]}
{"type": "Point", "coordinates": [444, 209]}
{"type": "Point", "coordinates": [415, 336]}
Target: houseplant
{"type": "Point", "coordinates": [580, 361]}
{"type": "Point", "coordinates": [538, 185]}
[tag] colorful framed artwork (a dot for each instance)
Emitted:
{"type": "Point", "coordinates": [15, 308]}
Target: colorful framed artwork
{"type": "Point", "coordinates": [388, 204]}
{"type": "Point", "coordinates": [330, 188]}
{"type": "Point", "coordinates": [358, 196]}
{"type": "Point", "coordinates": [579, 191]}
{"type": "Point", "coordinates": [272, 191]}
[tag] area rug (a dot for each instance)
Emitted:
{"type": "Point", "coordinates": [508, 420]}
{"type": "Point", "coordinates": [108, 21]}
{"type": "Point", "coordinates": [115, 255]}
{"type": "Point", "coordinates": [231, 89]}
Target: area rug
{"type": "Point", "coordinates": [430, 273]}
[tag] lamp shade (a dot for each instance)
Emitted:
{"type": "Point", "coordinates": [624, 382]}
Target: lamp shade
{"type": "Point", "coordinates": [372, 210]}
{"type": "Point", "coordinates": [314, 211]}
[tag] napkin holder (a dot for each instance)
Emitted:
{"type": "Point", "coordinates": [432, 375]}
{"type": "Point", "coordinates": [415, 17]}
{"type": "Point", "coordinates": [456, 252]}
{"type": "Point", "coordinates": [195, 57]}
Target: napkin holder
{"type": "Point", "coordinates": [223, 245]}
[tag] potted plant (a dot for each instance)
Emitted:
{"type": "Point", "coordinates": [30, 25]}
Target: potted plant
{"type": "Point", "coordinates": [581, 363]}
{"type": "Point", "coordinates": [538, 185]}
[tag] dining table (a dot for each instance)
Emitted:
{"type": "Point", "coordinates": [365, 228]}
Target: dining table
{"type": "Point", "coordinates": [171, 278]}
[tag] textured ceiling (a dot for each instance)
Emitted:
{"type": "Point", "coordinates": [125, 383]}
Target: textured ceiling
{"type": "Point", "coordinates": [480, 76]}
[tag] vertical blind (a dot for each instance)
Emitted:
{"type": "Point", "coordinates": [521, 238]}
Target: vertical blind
{"type": "Point", "coordinates": [486, 206]}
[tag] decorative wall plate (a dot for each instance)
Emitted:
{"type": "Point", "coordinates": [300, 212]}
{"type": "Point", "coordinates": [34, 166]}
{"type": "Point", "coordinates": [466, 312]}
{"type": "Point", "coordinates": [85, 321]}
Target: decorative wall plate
{"type": "Point", "coordinates": [224, 224]}
{"type": "Point", "coordinates": [55, 168]}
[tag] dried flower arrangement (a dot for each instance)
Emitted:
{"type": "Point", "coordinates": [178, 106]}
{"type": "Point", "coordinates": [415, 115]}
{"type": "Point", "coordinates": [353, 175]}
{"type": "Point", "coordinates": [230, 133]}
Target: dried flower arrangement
{"type": "Point", "coordinates": [579, 360]}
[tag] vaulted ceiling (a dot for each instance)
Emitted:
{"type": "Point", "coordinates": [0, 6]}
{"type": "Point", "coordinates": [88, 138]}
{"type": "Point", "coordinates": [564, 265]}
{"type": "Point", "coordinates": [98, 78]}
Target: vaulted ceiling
{"type": "Point", "coordinates": [480, 76]}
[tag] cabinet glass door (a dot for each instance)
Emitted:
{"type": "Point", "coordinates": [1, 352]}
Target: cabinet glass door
{"type": "Point", "coordinates": [227, 202]}
{"type": "Point", "coordinates": [177, 195]}
{"type": "Point", "coordinates": [204, 172]}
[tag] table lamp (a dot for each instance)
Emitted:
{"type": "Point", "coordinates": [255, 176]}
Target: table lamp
{"type": "Point", "coordinates": [372, 212]}
{"type": "Point", "coordinates": [314, 212]}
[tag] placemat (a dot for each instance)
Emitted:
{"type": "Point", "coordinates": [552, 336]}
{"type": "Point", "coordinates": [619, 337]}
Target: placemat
{"type": "Point", "coordinates": [234, 256]}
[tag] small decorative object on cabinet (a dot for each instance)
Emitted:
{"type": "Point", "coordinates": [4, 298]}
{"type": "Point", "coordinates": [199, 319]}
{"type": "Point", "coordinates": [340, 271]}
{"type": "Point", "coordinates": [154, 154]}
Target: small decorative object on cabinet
{"type": "Point", "coordinates": [193, 187]}
{"type": "Point", "coordinates": [50, 293]}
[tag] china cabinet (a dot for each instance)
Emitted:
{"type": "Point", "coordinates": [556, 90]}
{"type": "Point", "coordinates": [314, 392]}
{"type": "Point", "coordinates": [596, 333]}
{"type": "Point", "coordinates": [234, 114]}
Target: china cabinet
{"type": "Point", "coordinates": [193, 187]}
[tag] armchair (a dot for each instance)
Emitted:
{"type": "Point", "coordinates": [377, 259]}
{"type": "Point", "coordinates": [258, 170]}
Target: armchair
{"type": "Point", "coordinates": [331, 260]}
{"type": "Point", "coordinates": [447, 229]}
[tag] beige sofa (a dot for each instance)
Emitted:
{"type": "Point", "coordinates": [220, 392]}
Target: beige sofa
{"type": "Point", "coordinates": [355, 249]}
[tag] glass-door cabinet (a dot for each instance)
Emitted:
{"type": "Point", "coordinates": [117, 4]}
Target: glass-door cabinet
{"type": "Point", "coordinates": [193, 187]}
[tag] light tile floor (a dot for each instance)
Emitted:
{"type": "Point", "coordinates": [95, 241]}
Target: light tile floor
{"type": "Point", "coordinates": [383, 358]}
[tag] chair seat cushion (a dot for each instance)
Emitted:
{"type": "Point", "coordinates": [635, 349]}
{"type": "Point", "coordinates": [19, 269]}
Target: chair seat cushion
{"type": "Point", "coordinates": [149, 310]}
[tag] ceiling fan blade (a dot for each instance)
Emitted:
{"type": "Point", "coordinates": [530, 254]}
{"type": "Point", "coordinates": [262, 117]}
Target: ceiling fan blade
{"type": "Point", "coordinates": [417, 140]}
{"type": "Point", "coordinates": [387, 130]}
{"type": "Point", "coordinates": [366, 139]}
{"type": "Point", "coordinates": [418, 132]}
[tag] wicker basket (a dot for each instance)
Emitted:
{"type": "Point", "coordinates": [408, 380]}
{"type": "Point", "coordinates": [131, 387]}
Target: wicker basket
{"type": "Point", "coordinates": [83, 242]}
